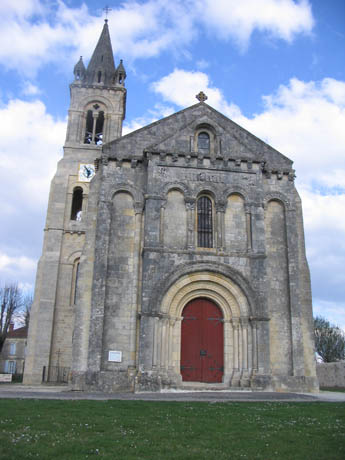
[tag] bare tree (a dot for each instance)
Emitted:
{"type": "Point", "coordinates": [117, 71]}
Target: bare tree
{"type": "Point", "coordinates": [24, 316]}
{"type": "Point", "coordinates": [10, 305]}
{"type": "Point", "coordinates": [329, 340]}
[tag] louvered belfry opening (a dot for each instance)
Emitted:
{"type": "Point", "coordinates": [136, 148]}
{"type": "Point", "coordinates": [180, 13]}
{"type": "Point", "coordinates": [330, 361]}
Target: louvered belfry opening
{"type": "Point", "coordinates": [205, 230]}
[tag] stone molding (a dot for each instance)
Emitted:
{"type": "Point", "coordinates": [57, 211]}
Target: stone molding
{"type": "Point", "coordinates": [277, 196]}
{"type": "Point", "coordinates": [216, 268]}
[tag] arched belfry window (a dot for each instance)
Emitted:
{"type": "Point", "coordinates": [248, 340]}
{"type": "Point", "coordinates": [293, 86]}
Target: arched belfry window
{"type": "Point", "coordinates": [94, 126]}
{"type": "Point", "coordinates": [205, 222]}
{"type": "Point", "coordinates": [77, 204]}
{"type": "Point", "coordinates": [203, 142]}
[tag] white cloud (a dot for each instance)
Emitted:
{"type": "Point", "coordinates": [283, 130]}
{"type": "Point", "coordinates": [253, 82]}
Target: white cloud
{"type": "Point", "coordinates": [282, 19]}
{"type": "Point", "coordinates": [13, 263]}
{"type": "Point", "coordinates": [29, 89]}
{"type": "Point", "coordinates": [20, 8]}
{"type": "Point", "coordinates": [159, 111]}
{"type": "Point", "coordinates": [15, 269]}
{"type": "Point", "coordinates": [305, 121]}
{"type": "Point", "coordinates": [180, 87]}
{"type": "Point", "coordinates": [333, 311]}
{"type": "Point", "coordinates": [35, 33]}
{"type": "Point", "coordinates": [30, 148]}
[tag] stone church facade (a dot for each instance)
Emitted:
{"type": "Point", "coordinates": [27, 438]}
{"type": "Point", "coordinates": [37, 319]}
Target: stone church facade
{"type": "Point", "coordinates": [173, 256]}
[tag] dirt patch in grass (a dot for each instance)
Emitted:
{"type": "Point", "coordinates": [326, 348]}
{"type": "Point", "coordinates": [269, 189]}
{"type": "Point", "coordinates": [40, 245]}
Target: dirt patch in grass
{"type": "Point", "coordinates": [170, 430]}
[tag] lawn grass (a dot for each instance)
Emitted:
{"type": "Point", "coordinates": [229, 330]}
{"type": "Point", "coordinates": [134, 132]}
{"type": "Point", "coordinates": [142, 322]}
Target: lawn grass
{"type": "Point", "coordinates": [337, 389]}
{"type": "Point", "coordinates": [170, 430]}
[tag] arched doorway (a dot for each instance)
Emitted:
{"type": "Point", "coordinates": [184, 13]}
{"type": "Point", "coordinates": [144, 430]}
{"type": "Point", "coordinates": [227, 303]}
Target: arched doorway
{"type": "Point", "coordinates": [202, 342]}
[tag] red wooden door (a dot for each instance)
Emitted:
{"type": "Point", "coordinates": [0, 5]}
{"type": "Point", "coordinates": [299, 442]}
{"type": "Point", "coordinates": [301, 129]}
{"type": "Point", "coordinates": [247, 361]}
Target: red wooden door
{"type": "Point", "coordinates": [202, 341]}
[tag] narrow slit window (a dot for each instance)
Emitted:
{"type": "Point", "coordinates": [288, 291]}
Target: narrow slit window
{"type": "Point", "coordinates": [99, 77]}
{"type": "Point", "coordinates": [203, 142]}
{"type": "Point", "coordinates": [205, 223]}
{"type": "Point", "coordinates": [77, 204]}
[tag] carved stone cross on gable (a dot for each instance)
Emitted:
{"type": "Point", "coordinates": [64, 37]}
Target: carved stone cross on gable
{"type": "Point", "coordinates": [201, 96]}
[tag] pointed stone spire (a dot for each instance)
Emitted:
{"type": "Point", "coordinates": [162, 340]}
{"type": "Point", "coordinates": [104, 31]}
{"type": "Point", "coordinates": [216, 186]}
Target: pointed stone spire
{"type": "Point", "coordinates": [79, 70]}
{"type": "Point", "coordinates": [120, 74]}
{"type": "Point", "coordinates": [101, 68]}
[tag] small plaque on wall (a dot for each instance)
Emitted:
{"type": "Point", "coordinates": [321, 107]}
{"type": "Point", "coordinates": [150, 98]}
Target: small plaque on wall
{"type": "Point", "coordinates": [115, 356]}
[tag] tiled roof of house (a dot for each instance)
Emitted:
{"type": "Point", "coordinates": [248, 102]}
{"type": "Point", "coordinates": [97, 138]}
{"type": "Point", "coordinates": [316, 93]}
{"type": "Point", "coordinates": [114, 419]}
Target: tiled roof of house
{"type": "Point", "coordinates": [19, 333]}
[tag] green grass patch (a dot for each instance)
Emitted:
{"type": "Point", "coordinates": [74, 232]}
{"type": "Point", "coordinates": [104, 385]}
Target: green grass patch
{"type": "Point", "coordinates": [170, 430]}
{"type": "Point", "coordinates": [337, 389]}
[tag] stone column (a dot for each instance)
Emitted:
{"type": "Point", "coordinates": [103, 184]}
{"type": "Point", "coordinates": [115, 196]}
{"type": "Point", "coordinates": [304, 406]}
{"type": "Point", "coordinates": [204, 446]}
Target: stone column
{"type": "Point", "coordinates": [177, 346]}
{"type": "Point", "coordinates": [249, 227]}
{"type": "Point", "coordinates": [255, 345]}
{"type": "Point", "coordinates": [138, 209]}
{"type": "Point", "coordinates": [236, 359]}
{"type": "Point", "coordinates": [294, 276]}
{"type": "Point", "coordinates": [164, 342]}
{"type": "Point", "coordinates": [228, 351]}
{"type": "Point", "coordinates": [220, 222]}
{"type": "Point", "coordinates": [235, 325]}
{"type": "Point", "coordinates": [152, 232]}
{"type": "Point", "coordinates": [161, 224]}
{"type": "Point", "coordinates": [258, 227]}
{"type": "Point", "coordinates": [190, 207]}
{"type": "Point", "coordinates": [172, 322]}
{"type": "Point", "coordinates": [244, 324]}
{"type": "Point", "coordinates": [106, 128]}
{"type": "Point", "coordinates": [155, 357]}
{"type": "Point", "coordinates": [95, 116]}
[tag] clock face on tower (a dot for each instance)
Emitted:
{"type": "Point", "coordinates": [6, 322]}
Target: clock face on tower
{"type": "Point", "coordinates": [86, 172]}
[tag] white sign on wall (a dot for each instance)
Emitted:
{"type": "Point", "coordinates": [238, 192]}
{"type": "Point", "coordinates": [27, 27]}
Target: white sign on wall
{"type": "Point", "coordinates": [115, 356]}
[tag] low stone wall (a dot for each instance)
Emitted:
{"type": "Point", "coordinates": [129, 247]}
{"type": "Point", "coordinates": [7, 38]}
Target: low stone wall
{"type": "Point", "coordinates": [331, 374]}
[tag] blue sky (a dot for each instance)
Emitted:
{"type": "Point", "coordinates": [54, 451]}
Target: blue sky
{"type": "Point", "coordinates": [276, 67]}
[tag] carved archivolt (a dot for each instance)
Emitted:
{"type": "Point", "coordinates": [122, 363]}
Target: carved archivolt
{"type": "Point", "coordinates": [237, 190]}
{"type": "Point", "coordinates": [226, 294]}
{"type": "Point", "coordinates": [87, 101]}
{"type": "Point", "coordinates": [277, 196]}
{"type": "Point", "coordinates": [182, 187]}
{"type": "Point", "coordinates": [219, 274]}
{"type": "Point", "coordinates": [135, 193]}
{"type": "Point", "coordinates": [208, 189]}
{"type": "Point", "coordinates": [72, 257]}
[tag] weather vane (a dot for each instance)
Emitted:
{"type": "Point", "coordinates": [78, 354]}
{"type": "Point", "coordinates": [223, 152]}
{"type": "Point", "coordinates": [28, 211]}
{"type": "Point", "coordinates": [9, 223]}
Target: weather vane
{"type": "Point", "coordinates": [106, 10]}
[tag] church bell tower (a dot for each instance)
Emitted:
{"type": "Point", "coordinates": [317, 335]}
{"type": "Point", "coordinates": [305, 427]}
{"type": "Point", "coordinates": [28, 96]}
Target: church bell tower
{"type": "Point", "coordinates": [97, 110]}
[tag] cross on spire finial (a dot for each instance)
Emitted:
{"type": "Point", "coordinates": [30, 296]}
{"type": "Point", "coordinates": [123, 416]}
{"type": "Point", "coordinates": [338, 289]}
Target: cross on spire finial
{"type": "Point", "coordinates": [201, 96]}
{"type": "Point", "coordinates": [106, 10]}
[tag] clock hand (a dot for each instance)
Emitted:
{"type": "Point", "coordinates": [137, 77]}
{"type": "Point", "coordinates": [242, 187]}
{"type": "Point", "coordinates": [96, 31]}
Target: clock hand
{"type": "Point", "coordinates": [87, 171]}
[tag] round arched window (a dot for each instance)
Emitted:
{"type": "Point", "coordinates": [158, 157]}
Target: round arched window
{"type": "Point", "coordinates": [203, 142]}
{"type": "Point", "coordinates": [205, 222]}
